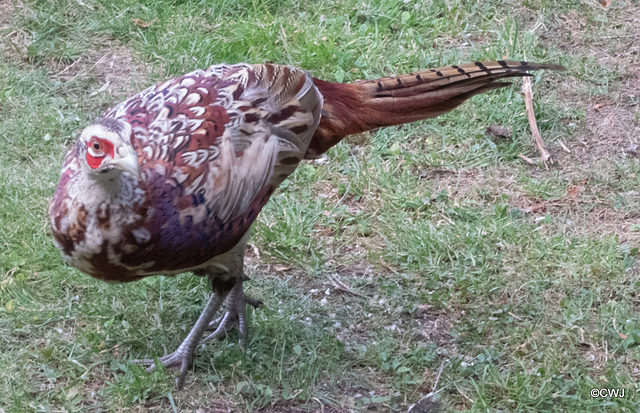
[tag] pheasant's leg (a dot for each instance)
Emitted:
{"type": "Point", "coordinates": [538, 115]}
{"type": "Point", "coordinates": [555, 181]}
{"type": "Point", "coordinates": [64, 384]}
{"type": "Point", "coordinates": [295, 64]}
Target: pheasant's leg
{"type": "Point", "coordinates": [183, 355]}
{"type": "Point", "coordinates": [225, 277]}
{"type": "Point", "coordinates": [234, 313]}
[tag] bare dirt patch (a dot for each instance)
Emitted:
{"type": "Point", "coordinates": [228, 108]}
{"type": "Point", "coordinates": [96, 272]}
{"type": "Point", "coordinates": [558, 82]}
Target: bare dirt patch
{"type": "Point", "coordinates": [608, 134]}
{"type": "Point", "coordinates": [115, 67]}
{"type": "Point", "coordinates": [6, 13]}
{"type": "Point", "coordinates": [435, 325]}
{"type": "Point", "coordinates": [611, 123]}
{"type": "Point", "coordinates": [581, 209]}
{"type": "Point", "coordinates": [610, 131]}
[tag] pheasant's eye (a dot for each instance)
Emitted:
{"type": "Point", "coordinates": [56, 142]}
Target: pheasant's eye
{"type": "Point", "coordinates": [96, 145]}
{"type": "Point", "coordinates": [97, 149]}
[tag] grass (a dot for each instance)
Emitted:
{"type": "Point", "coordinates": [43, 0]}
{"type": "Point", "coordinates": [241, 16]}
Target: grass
{"type": "Point", "coordinates": [499, 285]}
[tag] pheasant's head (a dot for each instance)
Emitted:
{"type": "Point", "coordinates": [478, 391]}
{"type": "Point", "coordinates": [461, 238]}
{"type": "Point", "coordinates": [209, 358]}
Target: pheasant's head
{"type": "Point", "coordinates": [108, 148]}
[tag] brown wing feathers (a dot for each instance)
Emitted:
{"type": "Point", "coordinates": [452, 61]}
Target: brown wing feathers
{"type": "Point", "coordinates": [360, 106]}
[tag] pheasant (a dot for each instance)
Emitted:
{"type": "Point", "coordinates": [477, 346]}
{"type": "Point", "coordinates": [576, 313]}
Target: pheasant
{"type": "Point", "coordinates": [171, 179]}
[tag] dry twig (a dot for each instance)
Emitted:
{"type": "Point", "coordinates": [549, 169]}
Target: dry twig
{"type": "Point", "coordinates": [339, 285]}
{"type": "Point", "coordinates": [527, 159]}
{"type": "Point", "coordinates": [464, 394]}
{"type": "Point", "coordinates": [615, 327]}
{"type": "Point", "coordinates": [435, 385]}
{"type": "Point", "coordinates": [535, 132]}
{"type": "Point", "coordinates": [426, 403]}
{"type": "Point", "coordinates": [564, 147]}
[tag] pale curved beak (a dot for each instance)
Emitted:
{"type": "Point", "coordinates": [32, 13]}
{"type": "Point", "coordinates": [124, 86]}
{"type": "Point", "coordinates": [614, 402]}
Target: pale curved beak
{"type": "Point", "coordinates": [127, 162]}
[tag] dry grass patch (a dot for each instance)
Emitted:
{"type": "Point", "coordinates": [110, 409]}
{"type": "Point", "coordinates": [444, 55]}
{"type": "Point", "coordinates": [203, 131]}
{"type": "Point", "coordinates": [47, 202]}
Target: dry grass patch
{"type": "Point", "coordinates": [116, 68]}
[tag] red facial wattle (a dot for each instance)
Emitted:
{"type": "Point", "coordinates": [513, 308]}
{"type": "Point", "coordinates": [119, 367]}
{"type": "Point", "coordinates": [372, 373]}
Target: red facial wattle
{"type": "Point", "coordinates": [99, 147]}
{"type": "Point", "coordinates": [93, 161]}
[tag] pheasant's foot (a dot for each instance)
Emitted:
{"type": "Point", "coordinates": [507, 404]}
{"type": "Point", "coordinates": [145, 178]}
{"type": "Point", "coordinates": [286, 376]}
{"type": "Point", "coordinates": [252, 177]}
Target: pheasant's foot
{"type": "Point", "coordinates": [234, 314]}
{"type": "Point", "coordinates": [180, 360]}
{"type": "Point", "coordinates": [183, 356]}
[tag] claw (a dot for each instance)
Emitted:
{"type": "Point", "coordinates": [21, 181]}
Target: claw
{"type": "Point", "coordinates": [176, 360]}
{"type": "Point", "coordinates": [234, 315]}
{"type": "Point", "coordinates": [183, 356]}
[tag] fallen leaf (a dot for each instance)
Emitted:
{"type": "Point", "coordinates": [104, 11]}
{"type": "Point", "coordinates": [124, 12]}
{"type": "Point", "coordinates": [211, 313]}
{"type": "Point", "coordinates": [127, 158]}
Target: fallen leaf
{"type": "Point", "coordinates": [387, 266]}
{"type": "Point", "coordinates": [280, 268]}
{"type": "Point", "coordinates": [498, 131]}
{"type": "Point", "coordinates": [142, 23]}
{"type": "Point", "coordinates": [538, 208]}
{"type": "Point", "coordinates": [573, 191]}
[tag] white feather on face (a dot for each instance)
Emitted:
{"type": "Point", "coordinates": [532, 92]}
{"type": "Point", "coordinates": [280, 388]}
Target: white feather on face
{"type": "Point", "coordinates": [107, 149]}
{"type": "Point", "coordinates": [100, 131]}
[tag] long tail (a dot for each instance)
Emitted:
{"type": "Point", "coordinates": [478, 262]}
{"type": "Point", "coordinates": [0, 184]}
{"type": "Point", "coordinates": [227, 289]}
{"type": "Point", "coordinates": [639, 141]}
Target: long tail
{"type": "Point", "coordinates": [365, 105]}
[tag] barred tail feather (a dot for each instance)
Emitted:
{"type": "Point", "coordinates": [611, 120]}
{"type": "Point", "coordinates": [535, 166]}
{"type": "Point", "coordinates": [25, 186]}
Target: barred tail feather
{"type": "Point", "coordinates": [365, 105]}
